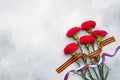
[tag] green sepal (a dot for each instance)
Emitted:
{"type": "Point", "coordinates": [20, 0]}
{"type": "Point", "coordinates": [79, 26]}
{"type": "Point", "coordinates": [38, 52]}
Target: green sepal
{"type": "Point", "coordinates": [99, 39]}
{"type": "Point", "coordinates": [75, 36]}
{"type": "Point", "coordinates": [89, 31]}
{"type": "Point", "coordinates": [73, 53]}
{"type": "Point", "coordinates": [87, 45]}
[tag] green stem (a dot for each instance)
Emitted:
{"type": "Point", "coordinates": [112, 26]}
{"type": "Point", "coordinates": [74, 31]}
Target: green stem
{"type": "Point", "coordinates": [88, 68]}
{"type": "Point", "coordinates": [90, 74]}
{"type": "Point", "coordinates": [107, 66]}
{"type": "Point", "coordinates": [100, 73]}
{"type": "Point", "coordinates": [77, 62]}
{"type": "Point", "coordinates": [85, 62]}
{"type": "Point", "coordinates": [101, 66]}
{"type": "Point", "coordinates": [93, 47]}
{"type": "Point", "coordinates": [96, 73]}
{"type": "Point", "coordinates": [79, 46]}
{"type": "Point", "coordinates": [94, 68]}
{"type": "Point", "coordinates": [106, 75]}
{"type": "Point", "coordinates": [100, 69]}
{"type": "Point", "coordinates": [83, 76]}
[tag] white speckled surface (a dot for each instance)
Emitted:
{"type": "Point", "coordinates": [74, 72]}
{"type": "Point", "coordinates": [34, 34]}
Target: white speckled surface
{"type": "Point", "coordinates": [32, 35]}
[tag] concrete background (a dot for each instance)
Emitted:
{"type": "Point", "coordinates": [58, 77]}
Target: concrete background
{"type": "Point", "coordinates": [32, 35]}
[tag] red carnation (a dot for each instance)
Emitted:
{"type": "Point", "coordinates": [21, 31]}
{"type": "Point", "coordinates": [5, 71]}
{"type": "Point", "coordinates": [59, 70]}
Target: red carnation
{"type": "Point", "coordinates": [87, 39]}
{"type": "Point", "coordinates": [87, 25]}
{"type": "Point", "coordinates": [73, 31]}
{"type": "Point", "coordinates": [97, 33]}
{"type": "Point", "coordinates": [70, 48]}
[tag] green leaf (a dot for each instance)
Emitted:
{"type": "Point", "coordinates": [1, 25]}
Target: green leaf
{"type": "Point", "coordinates": [106, 75]}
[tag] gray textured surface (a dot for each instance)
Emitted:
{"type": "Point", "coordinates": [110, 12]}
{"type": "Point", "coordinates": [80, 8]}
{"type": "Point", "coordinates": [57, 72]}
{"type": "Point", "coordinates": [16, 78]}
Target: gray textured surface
{"type": "Point", "coordinates": [32, 35]}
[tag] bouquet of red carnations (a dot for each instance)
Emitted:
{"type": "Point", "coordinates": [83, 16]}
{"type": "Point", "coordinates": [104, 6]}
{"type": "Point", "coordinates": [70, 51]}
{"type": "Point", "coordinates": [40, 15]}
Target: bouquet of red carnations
{"type": "Point", "coordinates": [91, 65]}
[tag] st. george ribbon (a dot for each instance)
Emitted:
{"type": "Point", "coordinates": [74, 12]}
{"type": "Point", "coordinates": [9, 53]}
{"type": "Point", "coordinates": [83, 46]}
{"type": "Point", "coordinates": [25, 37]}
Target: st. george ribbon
{"type": "Point", "coordinates": [94, 64]}
{"type": "Point", "coordinates": [83, 55]}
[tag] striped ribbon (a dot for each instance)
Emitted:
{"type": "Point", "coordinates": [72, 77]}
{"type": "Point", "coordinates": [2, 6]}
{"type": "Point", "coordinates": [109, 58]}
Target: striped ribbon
{"type": "Point", "coordinates": [94, 64]}
{"type": "Point", "coordinates": [68, 73]}
{"type": "Point", "coordinates": [91, 55]}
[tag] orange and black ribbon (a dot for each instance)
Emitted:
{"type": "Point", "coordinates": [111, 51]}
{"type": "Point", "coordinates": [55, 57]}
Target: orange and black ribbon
{"type": "Point", "coordinates": [83, 55]}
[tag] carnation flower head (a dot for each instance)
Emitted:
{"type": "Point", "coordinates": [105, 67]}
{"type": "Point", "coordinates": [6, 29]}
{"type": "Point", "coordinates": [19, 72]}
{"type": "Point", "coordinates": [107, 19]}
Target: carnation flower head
{"type": "Point", "coordinates": [70, 48]}
{"type": "Point", "coordinates": [73, 31]}
{"type": "Point", "coordinates": [99, 33]}
{"type": "Point", "coordinates": [87, 39]}
{"type": "Point", "coordinates": [88, 25]}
